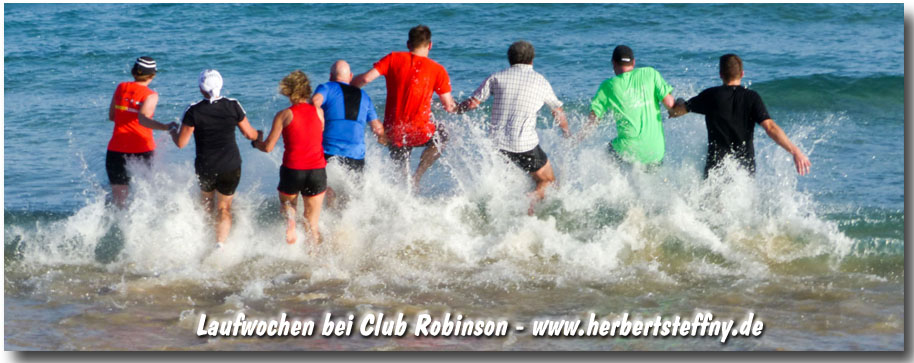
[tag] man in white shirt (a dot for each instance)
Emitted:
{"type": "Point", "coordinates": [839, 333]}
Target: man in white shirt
{"type": "Point", "coordinates": [519, 92]}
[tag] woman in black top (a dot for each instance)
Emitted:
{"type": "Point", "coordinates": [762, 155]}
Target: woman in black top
{"type": "Point", "coordinates": [212, 121]}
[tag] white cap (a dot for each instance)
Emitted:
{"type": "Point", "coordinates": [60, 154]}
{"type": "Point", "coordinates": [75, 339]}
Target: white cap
{"type": "Point", "coordinates": [211, 83]}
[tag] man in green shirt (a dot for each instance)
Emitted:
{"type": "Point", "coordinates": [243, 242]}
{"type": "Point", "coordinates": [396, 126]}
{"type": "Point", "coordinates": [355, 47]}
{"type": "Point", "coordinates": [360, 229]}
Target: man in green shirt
{"type": "Point", "coordinates": [633, 97]}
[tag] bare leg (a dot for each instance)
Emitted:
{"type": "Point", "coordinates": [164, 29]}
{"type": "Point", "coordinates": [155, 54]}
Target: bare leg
{"type": "Point", "coordinates": [206, 198]}
{"type": "Point", "coordinates": [224, 222]}
{"type": "Point", "coordinates": [119, 194]}
{"type": "Point", "coordinates": [313, 214]}
{"type": "Point", "coordinates": [331, 197]}
{"type": "Point", "coordinates": [287, 205]}
{"type": "Point", "coordinates": [543, 178]}
{"type": "Point", "coordinates": [429, 156]}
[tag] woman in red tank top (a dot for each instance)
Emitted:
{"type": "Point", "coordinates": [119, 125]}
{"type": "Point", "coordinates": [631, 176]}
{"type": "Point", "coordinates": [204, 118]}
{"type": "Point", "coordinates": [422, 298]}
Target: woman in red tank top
{"type": "Point", "coordinates": [131, 110]}
{"type": "Point", "coordinates": [302, 172]}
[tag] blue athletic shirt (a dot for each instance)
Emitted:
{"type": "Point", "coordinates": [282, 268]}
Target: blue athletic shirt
{"type": "Point", "coordinates": [346, 110]}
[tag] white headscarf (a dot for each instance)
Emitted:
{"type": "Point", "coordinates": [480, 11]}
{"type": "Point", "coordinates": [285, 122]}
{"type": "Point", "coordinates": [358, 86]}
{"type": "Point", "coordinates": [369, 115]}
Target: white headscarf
{"type": "Point", "coordinates": [211, 83]}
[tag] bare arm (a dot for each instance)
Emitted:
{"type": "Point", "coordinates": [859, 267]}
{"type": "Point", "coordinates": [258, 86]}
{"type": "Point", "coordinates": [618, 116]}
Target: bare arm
{"type": "Point", "coordinates": [777, 134]}
{"type": "Point", "coordinates": [181, 139]}
{"type": "Point", "coordinates": [559, 114]}
{"type": "Point", "coordinates": [111, 110]}
{"type": "Point", "coordinates": [282, 118]}
{"type": "Point", "coordinates": [378, 129]}
{"type": "Point", "coordinates": [448, 102]}
{"type": "Point", "coordinates": [668, 101]}
{"type": "Point", "coordinates": [365, 78]}
{"type": "Point", "coordinates": [320, 115]}
{"type": "Point", "coordinates": [317, 100]}
{"type": "Point", "coordinates": [145, 115]}
{"type": "Point", "coordinates": [247, 130]}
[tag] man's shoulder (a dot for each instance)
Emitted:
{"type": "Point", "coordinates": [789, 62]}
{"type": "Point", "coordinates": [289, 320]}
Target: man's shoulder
{"type": "Point", "coordinates": [434, 65]}
{"type": "Point", "coordinates": [326, 86]}
{"type": "Point", "coordinates": [750, 92]}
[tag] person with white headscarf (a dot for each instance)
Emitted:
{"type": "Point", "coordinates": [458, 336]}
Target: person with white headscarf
{"type": "Point", "coordinates": [212, 121]}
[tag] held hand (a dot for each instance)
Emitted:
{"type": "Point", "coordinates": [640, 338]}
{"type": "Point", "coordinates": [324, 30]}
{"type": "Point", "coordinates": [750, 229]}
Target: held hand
{"type": "Point", "coordinates": [678, 109]}
{"type": "Point", "coordinates": [383, 140]}
{"type": "Point", "coordinates": [172, 127]}
{"type": "Point", "coordinates": [259, 139]}
{"type": "Point", "coordinates": [802, 163]}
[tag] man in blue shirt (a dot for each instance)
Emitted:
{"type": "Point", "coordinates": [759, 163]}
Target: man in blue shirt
{"type": "Point", "coordinates": [346, 110]}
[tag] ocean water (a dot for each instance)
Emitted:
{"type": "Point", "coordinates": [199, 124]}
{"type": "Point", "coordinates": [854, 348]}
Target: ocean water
{"type": "Point", "coordinates": [820, 258]}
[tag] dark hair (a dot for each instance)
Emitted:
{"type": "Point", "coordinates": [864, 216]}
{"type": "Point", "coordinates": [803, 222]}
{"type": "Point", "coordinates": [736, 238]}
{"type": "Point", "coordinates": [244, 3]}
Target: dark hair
{"type": "Point", "coordinates": [296, 86]}
{"type": "Point", "coordinates": [419, 35]}
{"type": "Point", "coordinates": [731, 67]}
{"type": "Point", "coordinates": [521, 52]}
{"type": "Point", "coordinates": [137, 76]}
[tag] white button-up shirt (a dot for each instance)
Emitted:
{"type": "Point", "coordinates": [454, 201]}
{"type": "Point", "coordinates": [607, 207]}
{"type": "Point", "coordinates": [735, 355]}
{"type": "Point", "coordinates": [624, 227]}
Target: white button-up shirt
{"type": "Point", "coordinates": [519, 92]}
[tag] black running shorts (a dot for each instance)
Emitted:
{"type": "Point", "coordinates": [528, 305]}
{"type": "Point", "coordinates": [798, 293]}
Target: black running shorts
{"type": "Point", "coordinates": [530, 161]}
{"type": "Point", "coordinates": [116, 165]}
{"type": "Point", "coordinates": [309, 182]}
{"type": "Point", "coordinates": [224, 183]}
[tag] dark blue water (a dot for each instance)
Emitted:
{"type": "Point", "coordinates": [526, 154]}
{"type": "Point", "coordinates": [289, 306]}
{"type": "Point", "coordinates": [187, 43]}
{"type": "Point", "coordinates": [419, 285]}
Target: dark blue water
{"type": "Point", "coordinates": [831, 76]}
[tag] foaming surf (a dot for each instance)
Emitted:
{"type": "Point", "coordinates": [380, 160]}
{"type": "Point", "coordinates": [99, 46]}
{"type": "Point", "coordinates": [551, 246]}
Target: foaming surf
{"type": "Point", "coordinates": [468, 223]}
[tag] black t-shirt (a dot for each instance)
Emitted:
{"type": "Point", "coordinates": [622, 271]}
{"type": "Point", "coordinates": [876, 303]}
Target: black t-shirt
{"type": "Point", "coordinates": [214, 133]}
{"type": "Point", "coordinates": [731, 113]}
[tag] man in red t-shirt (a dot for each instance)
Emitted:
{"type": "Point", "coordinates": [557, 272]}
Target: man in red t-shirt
{"type": "Point", "coordinates": [411, 79]}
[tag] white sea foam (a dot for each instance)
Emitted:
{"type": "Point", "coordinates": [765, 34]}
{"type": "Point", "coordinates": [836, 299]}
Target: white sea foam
{"type": "Point", "coordinates": [468, 225]}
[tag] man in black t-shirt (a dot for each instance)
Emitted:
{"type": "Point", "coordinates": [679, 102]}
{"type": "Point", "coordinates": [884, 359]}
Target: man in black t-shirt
{"type": "Point", "coordinates": [212, 121]}
{"type": "Point", "coordinates": [731, 113]}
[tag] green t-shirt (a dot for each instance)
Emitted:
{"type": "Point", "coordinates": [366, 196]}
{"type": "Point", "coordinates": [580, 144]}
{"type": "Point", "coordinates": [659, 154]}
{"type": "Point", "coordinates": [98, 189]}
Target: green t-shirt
{"type": "Point", "coordinates": [634, 99]}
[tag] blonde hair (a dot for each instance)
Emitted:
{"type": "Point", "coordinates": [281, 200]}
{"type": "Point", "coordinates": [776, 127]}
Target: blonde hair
{"type": "Point", "coordinates": [296, 86]}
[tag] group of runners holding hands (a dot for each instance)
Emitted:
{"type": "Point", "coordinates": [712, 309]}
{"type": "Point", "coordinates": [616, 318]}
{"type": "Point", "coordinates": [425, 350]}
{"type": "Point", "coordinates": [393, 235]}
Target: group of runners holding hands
{"type": "Point", "coordinates": [329, 125]}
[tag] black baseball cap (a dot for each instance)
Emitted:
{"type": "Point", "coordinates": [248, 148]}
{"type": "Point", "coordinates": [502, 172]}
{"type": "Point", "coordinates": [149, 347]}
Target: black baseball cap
{"type": "Point", "coordinates": [623, 55]}
{"type": "Point", "coordinates": [144, 65]}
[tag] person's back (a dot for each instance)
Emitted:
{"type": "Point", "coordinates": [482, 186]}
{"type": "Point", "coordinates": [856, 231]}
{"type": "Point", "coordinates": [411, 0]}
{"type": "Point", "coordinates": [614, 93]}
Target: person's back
{"type": "Point", "coordinates": [633, 96]}
{"type": "Point", "coordinates": [302, 139]}
{"type": "Point", "coordinates": [634, 99]}
{"type": "Point", "coordinates": [731, 113]}
{"type": "Point", "coordinates": [518, 94]}
{"type": "Point", "coordinates": [128, 135]}
{"type": "Point", "coordinates": [214, 134]}
{"type": "Point", "coordinates": [346, 110]}
{"type": "Point", "coordinates": [411, 80]}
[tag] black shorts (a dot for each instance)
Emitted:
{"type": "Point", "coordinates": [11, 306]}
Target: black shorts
{"type": "Point", "coordinates": [224, 183]}
{"type": "Point", "coordinates": [352, 164]}
{"type": "Point", "coordinates": [307, 182]}
{"type": "Point", "coordinates": [401, 153]}
{"type": "Point", "coordinates": [116, 165]}
{"type": "Point", "coordinates": [530, 161]}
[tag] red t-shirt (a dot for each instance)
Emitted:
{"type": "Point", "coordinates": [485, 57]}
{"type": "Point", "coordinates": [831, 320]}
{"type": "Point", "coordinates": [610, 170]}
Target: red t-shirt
{"type": "Point", "coordinates": [129, 136]}
{"type": "Point", "coordinates": [302, 139]}
{"type": "Point", "coordinates": [411, 79]}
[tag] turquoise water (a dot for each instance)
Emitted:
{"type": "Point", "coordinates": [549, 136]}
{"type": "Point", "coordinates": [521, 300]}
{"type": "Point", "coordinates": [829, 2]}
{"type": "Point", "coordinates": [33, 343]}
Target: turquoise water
{"type": "Point", "coordinates": [821, 256]}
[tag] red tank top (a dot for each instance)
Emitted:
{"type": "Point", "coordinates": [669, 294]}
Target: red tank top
{"type": "Point", "coordinates": [129, 136]}
{"type": "Point", "coordinates": [302, 139]}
